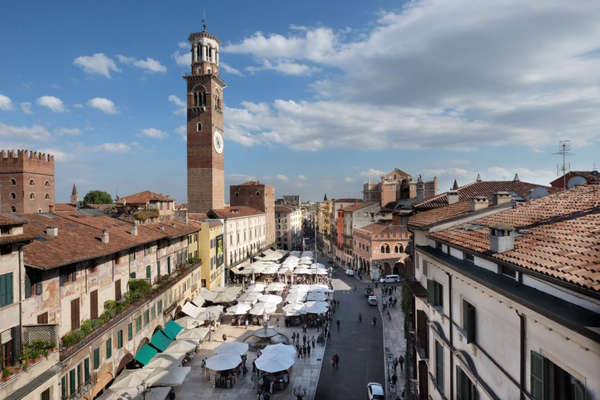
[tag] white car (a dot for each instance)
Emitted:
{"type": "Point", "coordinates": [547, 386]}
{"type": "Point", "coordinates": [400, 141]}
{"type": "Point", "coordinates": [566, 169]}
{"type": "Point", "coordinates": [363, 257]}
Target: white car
{"type": "Point", "coordinates": [350, 272]}
{"type": "Point", "coordinates": [372, 300]}
{"type": "Point", "coordinates": [375, 391]}
{"type": "Point", "coordinates": [390, 279]}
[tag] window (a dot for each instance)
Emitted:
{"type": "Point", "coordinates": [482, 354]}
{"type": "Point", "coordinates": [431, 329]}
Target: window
{"type": "Point", "coordinates": [96, 358]}
{"type": "Point", "coordinates": [120, 339]}
{"type": "Point", "coordinates": [138, 324]}
{"type": "Point", "coordinates": [468, 320]}
{"type": "Point", "coordinates": [153, 312]}
{"type": "Point", "coordinates": [13, 209]}
{"type": "Point", "coordinates": [130, 331]}
{"type": "Point", "coordinates": [439, 365]}
{"type": "Point", "coordinates": [549, 381]}
{"type": "Point", "coordinates": [6, 289]}
{"type": "Point", "coordinates": [86, 369]}
{"type": "Point", "coordinates": [470, 257]}
{"type": "Point", "coordinates": [146, 317]}
{"type": "Point", "coordinates": [47, 196]}
{"type": "Point", "coordinates": [13, 196]}
{"type": "Point", "coordinates": [72, 382]}
{"type": "Point", "coordinates": [465, 389]}
{"type": "Point", "coordinates": [199, 127]}
{"type": "Point", "coordinates": [108, 348]}
{"type": "Point", "coordinates": [438, 245]}
{"type": "Point", "coordinates": [47, 184]}
{"type": "Point", "coordinates": [45, 395]}
{"type": "Point", "coordinates": [435, 293]}
{"type": "Point", "coordinates": [148, 272]}
{"type": "Point", "coordinates": [13, 181]}
{"type": "Point", "coordinates": [31, 196]}
{"type": "Point", "coordinates": [159, 306]}
{"type": "Point", "coordinates": [508, 272]}
{"type": "Point", "coordinates": [31, 182]}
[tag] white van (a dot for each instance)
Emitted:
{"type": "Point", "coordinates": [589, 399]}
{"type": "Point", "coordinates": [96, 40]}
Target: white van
{"type": "Point", "coordinates": [390, 279]}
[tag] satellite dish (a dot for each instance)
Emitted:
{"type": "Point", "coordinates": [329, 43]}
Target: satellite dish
{"type": "Point", "coordinates": [538, 193]}
{"type": "Point", "coordinates": [576, 181]}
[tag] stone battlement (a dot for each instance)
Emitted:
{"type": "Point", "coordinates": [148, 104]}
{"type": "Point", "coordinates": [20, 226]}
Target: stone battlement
{"type": "Point", "coordinates": [11, 155]}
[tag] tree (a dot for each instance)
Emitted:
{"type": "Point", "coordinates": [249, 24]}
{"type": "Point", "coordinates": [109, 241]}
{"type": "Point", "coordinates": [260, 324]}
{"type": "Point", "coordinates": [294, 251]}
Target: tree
{"type": "Point", "coordinates": [97, 197]}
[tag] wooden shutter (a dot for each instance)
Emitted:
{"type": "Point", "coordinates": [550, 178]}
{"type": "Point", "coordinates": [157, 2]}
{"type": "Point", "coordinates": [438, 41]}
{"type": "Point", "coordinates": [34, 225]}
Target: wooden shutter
{"type": "Point", "coordinates": [75, 320]}
{"type": "Point", "coordinates": [96, 358]}
{"type": "Point", "coordinates": [72, 381]}
{"type": "Point", "coordinates": [470, 323]}
{"type": "Point", "coordinates": [63, 386]}
{"type": "Point", "coordinates": [148, 272]}
{"type": "Point", "coordinates": [6, 289]}
{"type": "Point", "coordinates": [158, 268]}
{"type": "Point", "coordinates": [538, 376]}
{"type": "Point", "coordinates": [42, 318]}
{"type": "Point", "coordinates": [86, 369]}
{"type": "Point", "coordinates": [439, 365]}
{"type": "Point", "coordinates": [118, 290]}
{"type": "Point", "coordinates": [27, 286]}
{"type": "Point", "coordinates": [94, 304]}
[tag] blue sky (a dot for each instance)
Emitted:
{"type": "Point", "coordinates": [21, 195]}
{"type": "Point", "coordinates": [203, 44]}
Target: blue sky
{"type": "Point", "coordinates": [320, 96]}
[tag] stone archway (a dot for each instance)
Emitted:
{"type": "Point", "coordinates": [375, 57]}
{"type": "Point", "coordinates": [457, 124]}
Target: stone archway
{"type": "Point", "coordinates": [127, 358]}
{"type": "Point", "coordinates": [156, 329]}
{"type": "Point", "coordinates": [386, 268]}
{"type": "Point", "coordinates": [400, 269]}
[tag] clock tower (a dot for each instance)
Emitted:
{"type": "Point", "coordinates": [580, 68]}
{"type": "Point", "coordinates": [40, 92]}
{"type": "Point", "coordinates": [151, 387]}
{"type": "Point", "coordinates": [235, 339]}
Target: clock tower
{"type": "Point", "coordinates": [205, 134]}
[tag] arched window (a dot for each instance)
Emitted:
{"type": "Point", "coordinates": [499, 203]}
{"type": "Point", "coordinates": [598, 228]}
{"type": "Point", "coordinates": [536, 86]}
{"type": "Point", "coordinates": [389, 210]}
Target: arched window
{"type": "Point", "coordinates": [395, 249]}
{"type": "Point", "coordinates": [13, 195]}
{"type": "Point", "coordinates": [31, 196]}
{"type": "Point", "coordinates": [400, 249]}
{"type": "Point", "coordinates": [199, 93]}
{"type": "Point", "coordinates": [199, 127]}
{"type": "Point", "coordinates": [47, 196]}
{"type": "Point", "coordinates": [382, 249]}
{"type": "Point", "coordinates": [13, 209]}
{"type": "Point", "coordinates": [13, 181]}
{"type": "Point", "coordinates": [387, 248]}
{"type": "Point", "coordinates": [31, 182]}
{"type": "Point", "coordinates": [47, 183]}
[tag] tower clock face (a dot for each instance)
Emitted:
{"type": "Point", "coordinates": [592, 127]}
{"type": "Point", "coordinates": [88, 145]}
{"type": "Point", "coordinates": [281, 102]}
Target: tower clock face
{"type": "Point", "coordinates": [218, 142]}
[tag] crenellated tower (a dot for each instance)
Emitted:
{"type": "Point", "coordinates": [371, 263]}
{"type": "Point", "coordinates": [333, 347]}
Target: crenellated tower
{"type": "Point", "coordinates": [26, 181]}
{"type": "Point", "coordinates": [205, 133]}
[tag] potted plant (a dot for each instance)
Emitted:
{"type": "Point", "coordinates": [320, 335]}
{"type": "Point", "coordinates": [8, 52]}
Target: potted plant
{"type": "Point", "coordinates": [25, 367]}
{"type": "Point", "coordinates": [5, 375]}
{"type": "Point", "coordinates": [53, 346]}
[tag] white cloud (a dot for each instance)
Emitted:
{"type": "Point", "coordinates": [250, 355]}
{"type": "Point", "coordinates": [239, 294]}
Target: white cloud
{"type": "Point", "coordinates": [182, 59]}
{"type": "Point", "coordinates": [115, 147]}
{"type": "Point", "coordinates": [230, 69]}
{"type": "Point", "coordinates": [286, 68]}
{"type": "Point", "coordinates": [348, 179]}
{"type": "Point", "coordinates": [281, 177]}
{"type": "Point", "coordinates": [53, 103]}
{"type": "Point", "coordinates": [26, 108]}
{"type": "Point", "coordinates": [96, 64]}
{"type": "Point", "coordinates": [370, 173]}
{"type": "Point", "coordinates": [36, 132]}
{"type": "Point", "coordinates": [183, 45]}
{"type": "Point", "coordinates": [181, 131]}
{"type": "Point", "coordinates": [302, 177]}
{"type": "Point", "coordinates": [180, 103]}
{"type": "Point", "coordinates": [102, 104]}
{"type": "Point", "coordinates": [58, 154]}
{"type": "Point", "coordinates": [5, 103]}
{"type": "Point", "coordinates": [149, 64]}
{"type": "Point", "coordinates": [67, 131]}
{"type": "Point", "coordinates": [153, 133]}
{"type": "Point", "coordinates": [77, 105]}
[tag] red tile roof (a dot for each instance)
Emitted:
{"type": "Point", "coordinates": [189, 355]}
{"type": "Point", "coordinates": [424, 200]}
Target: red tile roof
{"type": "Point", "coordinates": [359, 206]}
{"type": "Point", "coordinates": [236, 212]}
{"type": "Point", "coordinates": [429, 217]}
{"type": "Point", "coordinates": [59, 207]}
{"type": "Point", "coordinates": [8, 220]}
{"type": "Point", "coordinates": [484, 188]}
{"type": "Point", "coordinates": [372, 228]}
{"type": "Point", "coordinates": [284, 208]}
{"type": "Point", "coordinates": [144, 198]}
{"type": "Point", "coordinates": [561, 240]}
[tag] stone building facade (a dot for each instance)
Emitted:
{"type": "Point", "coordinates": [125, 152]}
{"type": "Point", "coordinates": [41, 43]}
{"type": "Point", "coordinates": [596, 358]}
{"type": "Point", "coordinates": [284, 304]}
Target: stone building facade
{"type": "Point", "coordinates": [258, 196]}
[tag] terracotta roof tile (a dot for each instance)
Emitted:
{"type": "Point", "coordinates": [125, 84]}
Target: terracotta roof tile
{"type": "Point", "coordinates": [561, 235]}
{"type": "Point", "coordinates": [144, 198]}
{"type": "Point", "coordinates": [359, 206]}
{"type": "Point", "coordinates": [58, 207]}
{"type": "Point", "coordinates": [284, 208]}
{"type": "Point", "coordinates": [8, 220]}
{"type": "Point", "coordinates": [372, 228]}
{"type": "Point", "coordinates": [430, 217]}
{"type": "Point", "coordinates": [236, 212]}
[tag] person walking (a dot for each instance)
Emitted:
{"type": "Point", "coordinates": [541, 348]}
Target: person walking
{"type": "Point", "coordinates": [374, 321]}
{"type": "Point", "coordinates": [338, 324]}
{"type": "Point", "coordinates": [246, 323]}
{"type": "Point", "coordinates": [337, 361]}
{"type": "Point", "coordinates": [308, 350]}
{"type": "Point", "coordinates": [304, 351]}
{"type": "Point", "coordinates": [401, 361]}
{"type": "Point", "coordinates": [313, 342]}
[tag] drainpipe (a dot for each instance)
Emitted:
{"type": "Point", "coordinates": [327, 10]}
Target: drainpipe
{"type": "Point", "coordinates": [522, 355]}
{"type": "Point", "coordinates": [451, 336]}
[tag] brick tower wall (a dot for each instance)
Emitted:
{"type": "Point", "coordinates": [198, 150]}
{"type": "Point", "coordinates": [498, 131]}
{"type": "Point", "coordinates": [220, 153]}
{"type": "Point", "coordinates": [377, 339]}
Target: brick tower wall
{"type": "Point", "coordinates": [260, 197]}
{"type": "Point", "coordinates": [17, 170]}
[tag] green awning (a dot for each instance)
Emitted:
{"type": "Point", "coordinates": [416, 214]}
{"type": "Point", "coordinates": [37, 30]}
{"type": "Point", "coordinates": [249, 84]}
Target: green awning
{"type": "Point", "coordinates": [172, 329]}
{"type": "Point", "coordinates": [145, 354]}
{"type": "Point", "coordinates": [160, 341]}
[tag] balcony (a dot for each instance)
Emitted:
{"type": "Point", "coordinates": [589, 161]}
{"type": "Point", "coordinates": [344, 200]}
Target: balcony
{"type": "Point", "coordinates": [83, 389]}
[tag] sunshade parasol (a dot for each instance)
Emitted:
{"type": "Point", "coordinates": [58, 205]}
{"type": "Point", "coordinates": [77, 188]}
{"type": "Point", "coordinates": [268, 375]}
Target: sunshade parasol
{"type": "Point", "coordinates": [274, 363]}
{"type": "Point", "coordinates": [222, 362]}
{"type": "Point", "coordinates": [232, 348]}
{"type": "Point", "coordinates": [173, 376]}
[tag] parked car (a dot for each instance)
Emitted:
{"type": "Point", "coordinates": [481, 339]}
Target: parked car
{"type": "Point", "coordinates": [375, 391]}
{"type": "Point", "coordinates": [350, 272]}
{"type": "Point", "coordinates": [372, 300]}
{"type": "Point", "coordinates": [390, 279]}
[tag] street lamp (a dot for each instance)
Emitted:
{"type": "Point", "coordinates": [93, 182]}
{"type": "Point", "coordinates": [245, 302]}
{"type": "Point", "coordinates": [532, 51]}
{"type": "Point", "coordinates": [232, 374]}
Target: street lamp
{"type": "Point", "coordinates": [143, 388]}
{"type": "Point", "coordinates": [299, 392]}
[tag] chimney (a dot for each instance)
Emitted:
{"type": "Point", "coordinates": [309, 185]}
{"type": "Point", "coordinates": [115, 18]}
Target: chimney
{"type": "Point", "coordinates": [52, 231]}
{"type": "Point", "coordinates": [134, 230]}
{"type": "Point", "coordinates": [173, 225]}
{"type": "Point", "coordinates": [479, 203]}
{"type": "Point", "coordinates": [501, 198]}
{"type": "Point", "coordinates": [51, 208]}
{"type": "Point", "coordinates": [162, 228]}
{"type": "Point", "coordinates": [104, 236]}
{"type": "Point", "coordinates": [452, 196]}
{"type": "Point", "coordinates": [502, 238]}
{"type": "Point", "coordinates": [516, 179]}
{"type": "Point", "coordinates": [355, 202]}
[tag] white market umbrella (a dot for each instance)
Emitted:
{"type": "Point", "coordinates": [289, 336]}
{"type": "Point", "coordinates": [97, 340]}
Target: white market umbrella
{"type": "Point", "coordinates": [119, 394]}
{"type": "Point", "coordinates": [318, 265]}
{"type": "Point", "coordinates": [318, 271]}
{"type": "Point", "coordinates": [239, 309]}
{"type": "Point", "coordinates": [222, 362]}
{"type": "Point", "coordinates": [262, 308]}
{"type": "Point", "coordinates": [316, 307]}
{"type": "Point", "coordinates": [214, 310]}
{"type": "Point", "coordinates": [163, 360]}
{"type": "Point", "coordinates": [316, 296]}
{"type": "Point", "coordinates": [189, 322]}
{"type": "Point", "coordinates": [299, 288]}
{"type": "Point", "coordinates": [238, 348]}
{"type": "Point", "coordinates": [249, 297]}
{"type": "Point", "coordinates": [301, 271]}
{"type": "Point", "coordinates": [272, 363]}
{"type": "Point", "coordinates": [173, 376]}
{"type": "Point", "coordinates": [131, 378]}
{"type": "Point", "coordinates": [259, 287]}
{"type": "Point", "coordinates": [193, 334]}
{"type": "Point", "coordinates": [294, 309]}
{"type": "Point", "coordinates": [296, 297]}
{"type": "Point", "coordinates": [155, 393]}
{"type": "Point", "coordinates": [275, 287]}
{"type": "Point", "coordinates": [191, 310]}
{"type": "Point", "coordinates": [181, 346]}
{"type": "Point", "coordinates": [207, 294]}
{"type": "Point", "coordinates": [270, 298]}
{"type": "Point", "coordinates": [279, 348]}
{"type": "Point", "coordinates": [271, 269]}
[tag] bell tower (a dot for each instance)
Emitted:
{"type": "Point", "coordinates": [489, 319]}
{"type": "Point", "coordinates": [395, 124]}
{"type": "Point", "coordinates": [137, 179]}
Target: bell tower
{"type": "Point", "coordinates": [205, 133]}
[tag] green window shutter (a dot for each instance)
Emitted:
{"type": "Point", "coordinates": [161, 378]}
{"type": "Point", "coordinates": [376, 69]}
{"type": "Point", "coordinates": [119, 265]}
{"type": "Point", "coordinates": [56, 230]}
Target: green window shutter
{"type": "Point", "coordinates": [430, 291]}
{"type": "Point", "coordinates": [146, 317]}
{"type": "Point", "coordinates": [6, 289]}
{"type": "Point", "coordinates": [79, 376]}
{"type": "Point", "coordinates": [159, 304]}
{"type": "Point", "coordinates": [148, 272]}
{"type": "Point", "coordinates": [132, 275]}
{"type": "Point", "coordinates": [439, 363]}
{"type": "Point", "coordinates": [120, 339]}
{"type": "Point", "coordinates": [158, 268]}
{"type": "Point", "coordinates": [27, 286]}
{"type": "Point", "coordinates": [578, 391]}
{"type": "Point", "coordinates": [470, 323]}
{"type": "Point", "coordinates": [130, 331]}
{"type": "Point", "coordinates": [538, 376]}
{"type": "Point", "coordinates": [86, 369]}
{"type": "Point", "coordinates": [459, 384]}
{"type": "Point", "coordinates": [169, 265]}
{"type": "Point", "coordinates": [108, 348]}
{"type": "Point", "coordinates": [63, 386]}
{"type": "Point", "coordinates": [72, 381]}
{"type": "Point", "coordinates": [153, 312]}
{"type": "Point", "coordinates": [97, 358]}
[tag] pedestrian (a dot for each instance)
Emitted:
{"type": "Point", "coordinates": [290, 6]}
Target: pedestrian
{"type": "Point", "coordinates": [395, 363]}
{"type": "Point", "coordinates": [246, 323]}
{"type": "Point", "coordinates": [293, 336]}
{"type": "Point", "coordinates": [277, 322]}
{"type": "Point", "coordinates": [304, 340]}
{"type": "Point", "coordinates": [313, 342]}
{"type": "Point", "coordinates": [308, 350]}
{"type": "Point", "coordinates": [337, 361]}
{"type": "Point", "coordinates": [401, 361]}
{"type": "Point", "coordinates": [203, 366]}
{"type": "Point", "coordinates": [244, 371]}
{"type": "Point", "coordinates": [299, 350]}
{"type": "Point", "coordinates": [338, 324]}
{"type": "Point", "coordinates": [254, 366]}
{"type": "Point", "coordinates": [394, 379]}
{"type": "Point", "coordinates": [374, 321]}
{"type": "Point", "coordinates": [304, 350]}
{"type": "Point", "coordinates": [333, 361]}
{"type": "Point", "coordinates": [171, 395]}
{"type": "Point", "coordinates": [253, 380]}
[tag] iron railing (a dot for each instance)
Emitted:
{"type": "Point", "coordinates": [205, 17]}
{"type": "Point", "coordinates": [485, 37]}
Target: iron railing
{"type": "Point", "coordinates": [83, 389]}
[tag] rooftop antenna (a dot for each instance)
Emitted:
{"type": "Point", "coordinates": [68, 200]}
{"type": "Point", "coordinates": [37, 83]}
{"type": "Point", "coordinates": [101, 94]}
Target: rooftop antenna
{"type": "Point", "coordinates": [564, 149]}
{"type": "Point", "coordinates": [204, 18]}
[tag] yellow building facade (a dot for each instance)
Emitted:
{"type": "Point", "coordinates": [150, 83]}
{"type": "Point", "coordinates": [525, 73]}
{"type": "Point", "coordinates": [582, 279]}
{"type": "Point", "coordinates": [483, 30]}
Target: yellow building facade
{"type": "Point", "coordinates": [210, 250]}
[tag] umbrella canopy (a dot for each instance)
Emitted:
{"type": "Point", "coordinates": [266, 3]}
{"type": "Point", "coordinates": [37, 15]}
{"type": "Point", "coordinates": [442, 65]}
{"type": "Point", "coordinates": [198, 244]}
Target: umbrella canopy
{"type": "Point", "coordinates": [271, 269]}
{"type": "Point", "coordinates": [318, 265]}
{"type": "Point", "coordinates": [145, 354]}
{"type": "Point", "coordinates": [222, 362]}
{"type": "Point", "coordinates": [130, 378]}
{"type": "Point", "coordinates": [316, 296]}
{"type": "Point", "coordinates": [214, 310]}
{"type": "Point", "coordinates": [191, 310]}
{"type": "Point", "coordinates": [232, 348]}
{"type": "Point", "coordinates": [160, 341]}
{"type": "Point", "coordinates": [279, 348]}
{"type": "Point", "coordinates": [296, 297]}
{"type": "Point", "coordinates": [301, 271]}
{"type": "Point", "coordinates": [316, 307]}
{"type": "Point", "coordinates": [270, 298]}
{"type": "Point", "coordinates": [275, 287]}
{"type": "Point", "coordinates": [166, 360]}
{"type": "Point", "coordinates": [299, 288]}
{"type": "Point", "coordinates": [207, 294]}
{"type": "Point", "coordinates": [293, 309]}
{"type": "Point", "coordinates": [259, 287]}
{"type": "Point", "coordinates": [116, 394]}
{"type": "Point", "coordinates": [262, 308]}
{"type": "Point", "coordinates": [274, 363]}
{"type": "Point", "coordinates": [225, 297]}
{"type": "Point", "coordinates": [239, 309]}
{"type": "Point", "coordinates": [194, 334]}
{"type": "Point", "coordinates": [156, 393]}
{"type": "Point", "coordinates": [319, 288]}
{"type": "Point", "coordinates": [172, 376]}
{"type": "Point", "coordinates": [189, 322]}
{"type": "Point", "coordinates": [181, 346]}
{"type": "Point", "coordinates": [317, 271]}
{"type": "Point", "coordinates": [249, 297]}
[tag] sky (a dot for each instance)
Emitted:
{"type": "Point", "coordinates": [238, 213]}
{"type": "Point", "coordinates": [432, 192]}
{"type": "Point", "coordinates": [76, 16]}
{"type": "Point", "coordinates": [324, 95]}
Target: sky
{"type": "Point", "coordinates": [321, 96]}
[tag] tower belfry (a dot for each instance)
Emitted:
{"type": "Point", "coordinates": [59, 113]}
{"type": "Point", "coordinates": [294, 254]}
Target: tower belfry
{"type": "Point", "coordinates": [205, 133]}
